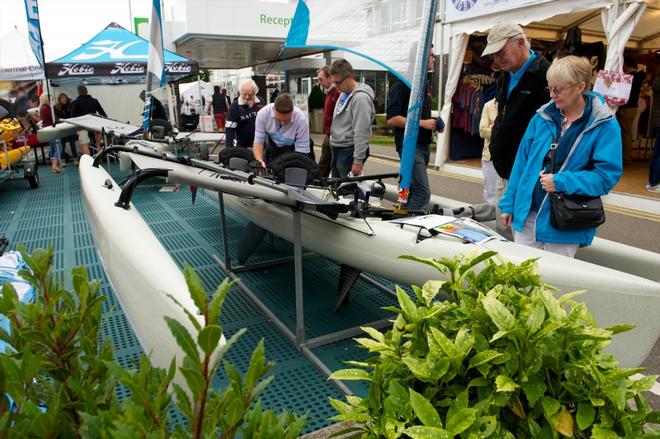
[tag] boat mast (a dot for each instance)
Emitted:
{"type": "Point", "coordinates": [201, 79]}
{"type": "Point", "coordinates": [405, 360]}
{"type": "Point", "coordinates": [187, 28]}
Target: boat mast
{"type": "Point", "coordinates": [416, 99]}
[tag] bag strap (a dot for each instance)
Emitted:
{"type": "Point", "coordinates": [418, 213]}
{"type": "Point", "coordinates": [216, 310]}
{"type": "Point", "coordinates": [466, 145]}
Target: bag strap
{"type": "Point", "coordinates": [553, 147]}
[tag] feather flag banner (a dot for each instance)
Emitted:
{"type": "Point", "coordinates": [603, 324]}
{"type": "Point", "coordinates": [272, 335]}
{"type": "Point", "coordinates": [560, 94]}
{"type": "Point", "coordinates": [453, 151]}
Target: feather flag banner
{"type": "Point", "coordinates": [34, 29]}
{"type": "Point", "coordinates": [155, 60]}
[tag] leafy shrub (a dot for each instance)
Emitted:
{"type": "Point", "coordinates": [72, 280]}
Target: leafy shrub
{"type": "Point", "coordinates": [504, 359]}
{"type": "Point", "coordinates": [63, 383]}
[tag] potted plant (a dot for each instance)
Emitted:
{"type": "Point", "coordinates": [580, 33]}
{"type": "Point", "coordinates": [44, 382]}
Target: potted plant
{"type": "Point", "coordinates": [504, 358]}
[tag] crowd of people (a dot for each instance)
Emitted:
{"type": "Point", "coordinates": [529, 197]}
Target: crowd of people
{"type": "Point", "coordinates": [544, 132]}
{"type": "Point", "coordinates": [538, 107]}
{"type": "Point", "coordinates": [49, 114]}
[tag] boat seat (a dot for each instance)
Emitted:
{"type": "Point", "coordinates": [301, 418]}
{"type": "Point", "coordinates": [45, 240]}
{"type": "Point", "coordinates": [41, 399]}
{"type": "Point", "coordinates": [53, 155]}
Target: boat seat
{"type": "Point", "coordinates": [295, 176]}
{"type": "Point", "coordinates": [239, 164]}
{"type": "Point", "coordinates": [236, 158]}
{"type": "Point", "coordinates": [295, 168]}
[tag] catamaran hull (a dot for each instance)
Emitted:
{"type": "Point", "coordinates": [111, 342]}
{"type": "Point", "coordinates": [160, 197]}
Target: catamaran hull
{"type": "Point", "coordinates": [141, 272]}
{"type": "Point", "coordinates": [612, 296]}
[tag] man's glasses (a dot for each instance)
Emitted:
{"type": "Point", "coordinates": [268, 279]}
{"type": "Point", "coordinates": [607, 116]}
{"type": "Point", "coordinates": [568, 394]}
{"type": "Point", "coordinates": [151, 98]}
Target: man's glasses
{"type": "Point", "coordinates": [339, 82]}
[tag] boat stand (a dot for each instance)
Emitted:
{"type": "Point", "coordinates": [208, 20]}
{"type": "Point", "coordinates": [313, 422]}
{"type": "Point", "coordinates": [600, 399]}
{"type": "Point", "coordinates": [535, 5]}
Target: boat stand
{"type": "Point", "coordinates": [298, 338]}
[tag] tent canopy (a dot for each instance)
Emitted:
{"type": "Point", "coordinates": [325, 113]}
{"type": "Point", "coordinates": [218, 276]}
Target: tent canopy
{"type": "Point", "coordinates": [551, 20]}
{"type": "Point", "coordinates": [114, 56]}
{"type": "Point", "coordinates": [17, 60]}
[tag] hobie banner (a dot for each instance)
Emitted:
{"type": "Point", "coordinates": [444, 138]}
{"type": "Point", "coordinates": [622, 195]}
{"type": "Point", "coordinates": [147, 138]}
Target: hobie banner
{"type": "Point", "coordinates": [155, 61]}
{"type": "Point", "coordinates": [34, 30]}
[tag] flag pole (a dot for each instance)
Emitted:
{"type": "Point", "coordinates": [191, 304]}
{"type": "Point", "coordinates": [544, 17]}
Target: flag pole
{"type": "Point", "coordinates": [155, 63]}
{"type": "Point", "coordinates": [416, 100]}
{"type": "Point", "coordinates": [37, 43]}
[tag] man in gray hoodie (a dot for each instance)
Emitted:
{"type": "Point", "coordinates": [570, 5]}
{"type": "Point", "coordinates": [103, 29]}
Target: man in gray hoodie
{"type": "Point", "coordinates": [351, 123]}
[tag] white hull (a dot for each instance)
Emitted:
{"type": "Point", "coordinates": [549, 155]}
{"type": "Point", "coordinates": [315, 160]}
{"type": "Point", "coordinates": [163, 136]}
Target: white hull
{"type": "Point", "coordinates": [62, 129]}
{"type": "Point", "coordinates": [612, 296]}
{"type": "Point", "coordinates": [140, 270]}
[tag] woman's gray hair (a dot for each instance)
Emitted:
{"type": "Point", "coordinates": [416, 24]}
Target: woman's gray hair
{"type": "Point", "coordinates": [570, 70]}
{"type": "Point", "coordinates": [249, 82]}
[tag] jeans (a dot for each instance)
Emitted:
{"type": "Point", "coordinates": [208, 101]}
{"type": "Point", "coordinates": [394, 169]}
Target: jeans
{"type": "Point", "coordinates": [54, 151]}
{"type": "Point", "coordinates": [342, 161]}
{"type": "Point", "coordinates": [654, 164]}
{"type": "Point", "coordinates": [71, 140]}
{"type": "Point", "coordinates": [420, 190]}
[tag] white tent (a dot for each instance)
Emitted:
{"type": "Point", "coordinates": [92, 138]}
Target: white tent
{"type": "Point", "coordinates": [192, 89]}
{"type": "Point", "coordinates": [17, 60]}
{"type": "Point", "coordinates": [611, 21]}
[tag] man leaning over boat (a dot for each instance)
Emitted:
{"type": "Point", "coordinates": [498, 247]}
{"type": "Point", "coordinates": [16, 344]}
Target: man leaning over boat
{"type": "Point", "coordinates": [280, 127]}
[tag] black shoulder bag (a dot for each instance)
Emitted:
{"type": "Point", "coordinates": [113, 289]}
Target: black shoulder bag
{"type": "Point", "coordinates": [571, 212]}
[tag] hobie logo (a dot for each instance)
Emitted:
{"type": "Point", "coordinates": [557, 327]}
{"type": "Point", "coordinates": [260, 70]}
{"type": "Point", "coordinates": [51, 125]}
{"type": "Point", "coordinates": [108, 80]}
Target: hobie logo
{"type": "Point", "coordinates": [178, 67]}
{"type": "Point", "coordinates": [75, 69]}
{"type": "Point", "coordinates": [127, 68]}
{"type": "Point", "coordinates": [113, 49]}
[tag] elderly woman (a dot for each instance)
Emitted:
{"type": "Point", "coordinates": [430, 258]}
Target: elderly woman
{"type": "Point", "coordinates": [587, 159]}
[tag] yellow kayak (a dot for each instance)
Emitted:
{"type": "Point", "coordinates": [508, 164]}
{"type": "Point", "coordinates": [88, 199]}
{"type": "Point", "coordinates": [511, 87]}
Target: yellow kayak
{"type": "Point", "coordinates": [14, 155]}
{"type": "Point", "coordinates": [8, 129]}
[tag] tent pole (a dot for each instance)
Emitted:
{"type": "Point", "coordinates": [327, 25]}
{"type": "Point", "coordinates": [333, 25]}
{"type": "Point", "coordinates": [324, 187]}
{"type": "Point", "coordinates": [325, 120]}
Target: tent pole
{"type": "Point", "coordinates": [441, 72]}
{"type": "Point", "coordinates": [60, 145]}
{"type": "Point", "coordinates": [199, 93]}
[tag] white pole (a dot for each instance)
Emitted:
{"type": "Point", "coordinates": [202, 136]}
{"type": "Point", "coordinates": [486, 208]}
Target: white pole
{"type": "Point", "coordinates": [441, 71]}
{"type": "Point", "coordinates": [130, 18]}
{"type": "Point", "coordinates": [199, 92]}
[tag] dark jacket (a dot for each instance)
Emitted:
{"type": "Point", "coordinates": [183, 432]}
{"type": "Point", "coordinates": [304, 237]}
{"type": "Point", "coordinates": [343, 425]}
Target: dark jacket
{"type": "Point", "coordinates": [220, 103]}
{"type": "Point", "coordinates": [240, 123]}
{"type": "Point", "coordinates": [62, 112]}
{"type": "Point", "coordinates": [86, 104]}
{"type": "Point", "coordinates": [515, 112]}
{"type": "Point", "coordinates": [397, 105]}
{"type": "Point", "coordinates": [656, 102]}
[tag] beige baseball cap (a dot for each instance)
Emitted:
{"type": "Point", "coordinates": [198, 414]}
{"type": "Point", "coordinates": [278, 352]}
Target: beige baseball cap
{"type": "Point", "coordinates": [499, 35]}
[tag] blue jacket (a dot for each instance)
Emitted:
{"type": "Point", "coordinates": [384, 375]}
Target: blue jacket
{"type": "Point", "coordinates": [593, 167]}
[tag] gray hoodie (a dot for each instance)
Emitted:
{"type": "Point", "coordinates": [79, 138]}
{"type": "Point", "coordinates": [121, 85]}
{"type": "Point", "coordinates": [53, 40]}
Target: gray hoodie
{"type": "Point", "coordinates": [351, 122]}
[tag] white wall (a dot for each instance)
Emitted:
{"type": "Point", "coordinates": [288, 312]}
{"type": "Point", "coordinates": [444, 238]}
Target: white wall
{"type": "Point", "coordinates": [249, 18]}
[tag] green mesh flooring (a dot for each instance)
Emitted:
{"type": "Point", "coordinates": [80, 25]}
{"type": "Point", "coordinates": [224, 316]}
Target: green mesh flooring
{"type": "Point", "coordinates": [191, 233]}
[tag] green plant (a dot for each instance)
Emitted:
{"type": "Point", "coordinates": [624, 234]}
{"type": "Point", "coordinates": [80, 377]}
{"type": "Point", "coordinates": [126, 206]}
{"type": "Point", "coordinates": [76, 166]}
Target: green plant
{"type": "Point", "coordinates": [503, 358]}
{"type": "Point", "coordinates": [62, 382]}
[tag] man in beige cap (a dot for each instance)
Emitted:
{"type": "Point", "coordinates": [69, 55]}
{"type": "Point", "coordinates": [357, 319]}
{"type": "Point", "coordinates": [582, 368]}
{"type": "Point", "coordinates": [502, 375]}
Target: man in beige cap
{"type": "Point", "coordinates": [521, 90]}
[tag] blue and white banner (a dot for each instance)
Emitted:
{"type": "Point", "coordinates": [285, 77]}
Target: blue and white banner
{"type": "Point", "coordinates": [34, 30]}
{"type": "Point", "coordinates": [385, 33]}
{"type": "Point", "coordinates": [155, 60]}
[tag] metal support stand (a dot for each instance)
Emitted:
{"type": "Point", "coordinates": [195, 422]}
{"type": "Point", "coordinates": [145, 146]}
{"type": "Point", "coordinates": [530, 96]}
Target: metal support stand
{"type": "Point", "coordinates": [298, 338]}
